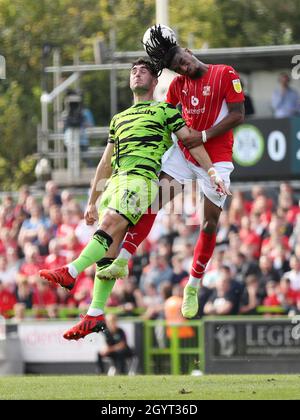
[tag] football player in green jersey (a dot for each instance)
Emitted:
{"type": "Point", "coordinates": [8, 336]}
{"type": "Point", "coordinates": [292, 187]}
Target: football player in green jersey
{"type": "Point", "coordinates": [138, 139]}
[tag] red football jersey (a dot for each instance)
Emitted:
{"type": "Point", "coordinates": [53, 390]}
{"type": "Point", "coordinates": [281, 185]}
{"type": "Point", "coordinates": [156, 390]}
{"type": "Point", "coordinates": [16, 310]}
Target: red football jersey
{"type": "Point", "coordinates": [204, 105]}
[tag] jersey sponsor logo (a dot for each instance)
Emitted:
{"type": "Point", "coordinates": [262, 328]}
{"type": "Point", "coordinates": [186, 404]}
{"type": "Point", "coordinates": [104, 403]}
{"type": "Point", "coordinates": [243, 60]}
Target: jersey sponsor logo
{"type": "Point", "coordinates": [195, 101]}
{"type": "Point", "coordinates": [206, 91]}
{"type": "Point", "coordinates": [146, 111]}
{"type": "Point", "coordinates": [237, 85]}
{"type": "Point", "coordinates": [193, 111]}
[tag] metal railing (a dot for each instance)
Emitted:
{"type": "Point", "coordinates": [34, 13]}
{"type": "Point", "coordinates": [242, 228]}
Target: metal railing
{"type": "Point", "coordinates": [175, 349]}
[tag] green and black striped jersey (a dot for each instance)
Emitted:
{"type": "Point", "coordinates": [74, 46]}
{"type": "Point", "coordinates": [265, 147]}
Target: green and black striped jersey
{"type": "Point", "coordinates": [144, 131]}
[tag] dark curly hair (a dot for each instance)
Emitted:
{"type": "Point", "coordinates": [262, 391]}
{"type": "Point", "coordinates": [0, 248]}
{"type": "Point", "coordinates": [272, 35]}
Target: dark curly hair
{"type": "Point", "coordinates": [161, 50]}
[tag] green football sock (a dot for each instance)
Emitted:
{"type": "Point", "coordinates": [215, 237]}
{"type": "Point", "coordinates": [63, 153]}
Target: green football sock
{"type": "Point", "coordinates": [102, 288]}
{"type": "Point", "coordinates": [93, 252]}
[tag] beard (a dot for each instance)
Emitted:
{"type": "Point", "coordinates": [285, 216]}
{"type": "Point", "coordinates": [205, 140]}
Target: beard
{"type": "Point", "coordinates": [196, 74]}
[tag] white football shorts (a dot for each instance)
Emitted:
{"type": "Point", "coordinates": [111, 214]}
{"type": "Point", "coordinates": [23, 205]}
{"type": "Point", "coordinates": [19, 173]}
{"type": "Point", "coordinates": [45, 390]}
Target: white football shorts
{"type": "Point", "coordinates": [178, 167]}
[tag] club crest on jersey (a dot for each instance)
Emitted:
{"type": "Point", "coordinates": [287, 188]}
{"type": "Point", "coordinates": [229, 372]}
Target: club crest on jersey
{"type": "Point", "coordinates": [206, 91]}
{"type": "Point", "coordinates": [195, 101]}
{"type": "Point", "coordinates": [237, 85]}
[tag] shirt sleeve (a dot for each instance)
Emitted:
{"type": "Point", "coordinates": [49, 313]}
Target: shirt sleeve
{"type": "Point", "coordinates": [174, 120]}
{"type": "Point", "coordinates": [172, 94]}
{"type": "Point", "coordinates": [233, 91]}
{"type": "Point", "coordinates": [112, 132]}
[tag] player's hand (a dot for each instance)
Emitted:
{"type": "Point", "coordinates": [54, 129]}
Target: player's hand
{"type": "Point", "coordinates": [218, 183]}
{"type": "Point", "coordinates": [91, 215]}
{"type": "Point", "coordinates": [191, 143]}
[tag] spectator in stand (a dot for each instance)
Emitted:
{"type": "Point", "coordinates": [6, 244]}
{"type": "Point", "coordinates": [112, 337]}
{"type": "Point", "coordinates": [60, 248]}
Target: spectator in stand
{"type": "Point", "coordinates": [55, 217]}
{"type": "Point", "coordinates": [7, 210]}
{"type": "Point", "coordinates": [75, 213]}
{"type": "Point", "coordinates": [164, 248]}
{"type": "Point", "coordinates": [70, 246]}
{"type": "Point", "coordinates": [83, 289]}
{"type": "Point", "coordinates": [186, 234]}
{"type": "Point", "coordinates": [225, 228]}
{"type": "Point", "coordinates": [67, 199]}
{"type": "Point", "coordinates": [250, 299]}
{"type": "Point", "coordinates": [297, 250]}
{"type": "Point", "coordinates": [277, 236]}
{"type": "Point", "coordinates": [235, 244]}
{"type": "Point", "coordinates": [43, 240]}
{"type": "Point", "coordinates": [285, 100]}
{"type": "Point", "coordinates": [152, 301]}
{"type": "Point", "coordinates": [179, 273]}
{"type": "Point", "coordinates": [84, 232]}
{"type": "Point", "coordinates": [237, 208]}
{"type": "Point", "coordinates": [7, 274]}
{"type": "Point", "coordinates": [32, 262]}
{"type": "Point", "coordinates": [187, 254]}
{"type": "Point", "coordinates": [241, 267]}
{"type": "Point", "coordinates": [64, 299]}
{"type": "Point", "coordinates": [281, 257]}
{"type": "Point", "coordinates": [140, 260]}
{"type": "Point", "coordinates": [7, 300]}
{"type": "Point", "coordinates": [129, 296]}
{"type": "Point", "coordinates": [67, 227]}
{"type": "Point", "coordinates": [24, 193]}
{"type": "Point", "coordinates": [286, 295]}
{"type": "Point", "coordinates": [294, 240]}
{"type": "Point", "coordinates": [55, 259]}
{"type": "Point", "coordinates": [157, 272]}
{"type": "Point", "coordinates": [20, 218]}
{"type": "Point", "coordinates": [44, 298]}
{"type": "Point", "coordinates": [287, 207]}
{"type": "Point", "coordinates": [213, 271]}
{"type": "Point", "coordinates": [272, 298]}
{"type": "Point", "coordinates": [262, 209]}
{"type": "Point", "coordinates": [267, 273]}
{"type": "Point", "coordinates": [6, 240]}
{"type": "Point", "coordinates": [30, 227]}
{"type": "Point", "coordinates": [24, 297]}
{"type": "Point", "coordinates": [155, 309]}
{"type": "Point", "coordinates": [52, 193]}
{"type": "Point", "coordinates": [13, 262]}
{"type": "Point", "coordinates": [294, 274]}
{"type": "Point", "coordinates": [250, 237]}
{"type": "Point", "coordinates": [225, 298]}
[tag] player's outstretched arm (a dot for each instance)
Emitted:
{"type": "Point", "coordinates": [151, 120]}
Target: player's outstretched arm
{"type": "Point", "coordinates": [103, 172]}
{"type": "Point", "coordinates": [201, 156]}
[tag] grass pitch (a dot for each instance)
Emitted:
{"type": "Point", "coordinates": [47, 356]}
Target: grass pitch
{"type": "Point", "coordinates": [241, 387]}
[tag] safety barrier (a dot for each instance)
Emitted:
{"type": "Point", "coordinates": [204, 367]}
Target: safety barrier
{"type": "Point", "coordinates": [173, 348]}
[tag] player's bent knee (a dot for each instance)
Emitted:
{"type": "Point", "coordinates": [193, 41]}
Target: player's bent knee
{"type": "Point", "coordinates": [112, 222]}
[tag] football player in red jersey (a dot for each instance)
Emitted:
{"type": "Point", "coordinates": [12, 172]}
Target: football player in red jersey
{"type": "Point", "coordinates": [212, 102]}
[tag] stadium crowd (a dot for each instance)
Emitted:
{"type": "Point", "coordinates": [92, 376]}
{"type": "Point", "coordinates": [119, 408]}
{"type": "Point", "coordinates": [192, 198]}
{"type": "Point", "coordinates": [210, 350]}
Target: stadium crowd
{"type": "Point", "coordinates": [256, 262]}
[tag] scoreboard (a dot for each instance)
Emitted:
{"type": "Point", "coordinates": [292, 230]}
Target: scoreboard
{"type": "Point", "coordinates": [267, 149]}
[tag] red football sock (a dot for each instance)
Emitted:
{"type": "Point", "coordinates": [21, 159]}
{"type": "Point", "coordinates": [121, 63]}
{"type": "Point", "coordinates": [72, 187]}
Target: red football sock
{"type": "Point", "coordinates": [203, 252]}
{"type": "Point", "coordinates": [136, 234]}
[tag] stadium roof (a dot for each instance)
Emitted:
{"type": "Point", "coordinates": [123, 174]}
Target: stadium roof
{"type": "Point", "coordinates": [246, 59]}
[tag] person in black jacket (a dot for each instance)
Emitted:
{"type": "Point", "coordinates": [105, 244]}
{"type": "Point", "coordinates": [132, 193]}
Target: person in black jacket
{"type": "Point", "coordinates": [117, 349]}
